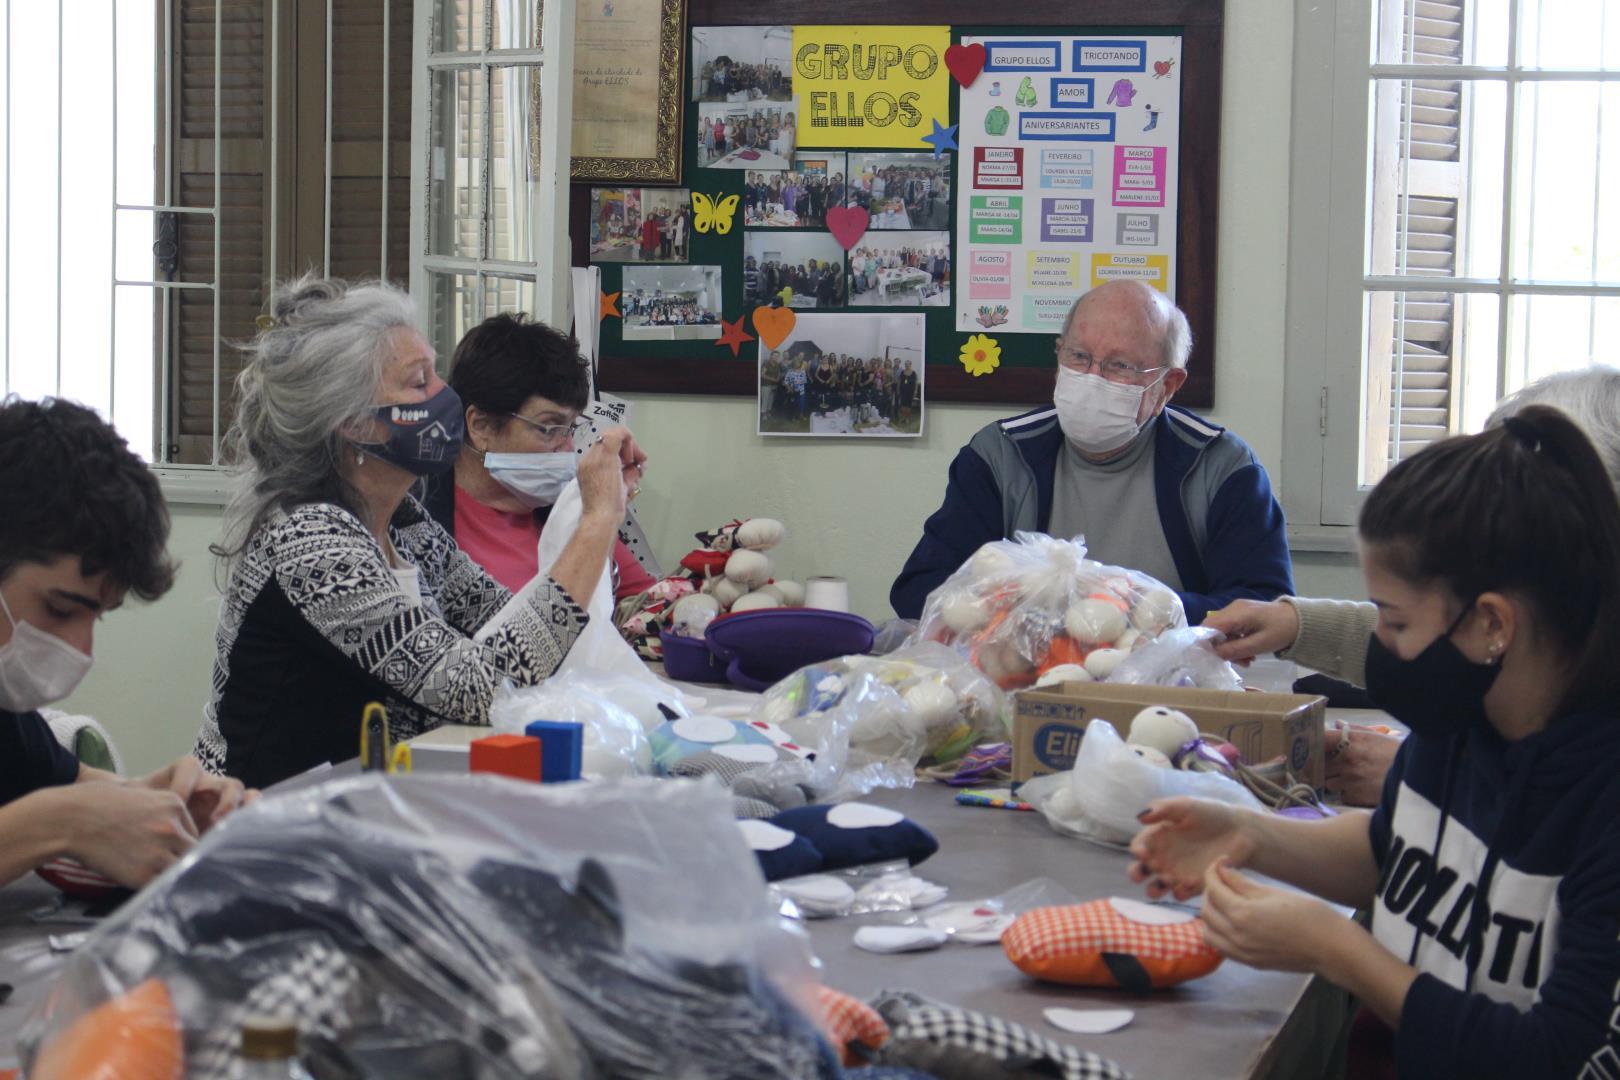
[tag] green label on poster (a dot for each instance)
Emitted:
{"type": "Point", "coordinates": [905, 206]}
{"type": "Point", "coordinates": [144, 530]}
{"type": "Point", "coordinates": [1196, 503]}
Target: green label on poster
{"type": "Point", "coordinates": [996, 219]}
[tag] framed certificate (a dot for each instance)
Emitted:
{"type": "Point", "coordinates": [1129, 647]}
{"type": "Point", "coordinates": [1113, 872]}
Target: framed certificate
{"type": "Point", "coordinates": [627, 90]}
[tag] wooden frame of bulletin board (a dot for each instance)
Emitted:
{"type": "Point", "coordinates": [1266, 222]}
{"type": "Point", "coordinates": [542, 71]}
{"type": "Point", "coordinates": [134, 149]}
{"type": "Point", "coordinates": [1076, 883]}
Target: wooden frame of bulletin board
{"type": "Point", "coordinates": [1025, 375]}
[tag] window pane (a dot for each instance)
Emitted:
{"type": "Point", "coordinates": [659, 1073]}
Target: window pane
{"type": "Point", "coordinates": [1568, 34]}
{"type": "Point", "coordinates": [1442, 32]}
{"type": "Point", "coordinates": [503, 294]}
{"type": "Point", "coordinates": [460, 26]}
{"type": "Point", "coordinates": [455, 163]}
{"type": "Point", "coordinates": [1436, 195]}
{"type": "Point", "coordinates": [517, 24]}
{"type": "Point", "coordinates": [454, 300]}
{"type": "Point", "coordinates": [513, 106]}
{"type": "Point", "coordinates": [1567, 182]}
{"type": "Point", "coordinates": [1561, 333]}
{"type": "Point", "coordinates": [1427, 353]}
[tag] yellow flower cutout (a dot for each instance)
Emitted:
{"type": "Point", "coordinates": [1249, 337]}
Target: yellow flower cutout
{"type": "Point", "coordinates": [981, 355]}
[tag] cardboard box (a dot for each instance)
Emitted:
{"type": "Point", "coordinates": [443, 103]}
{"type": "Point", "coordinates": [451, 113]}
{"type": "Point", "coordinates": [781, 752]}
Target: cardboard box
{"type": "Point", "coordinates": [1048, 723]}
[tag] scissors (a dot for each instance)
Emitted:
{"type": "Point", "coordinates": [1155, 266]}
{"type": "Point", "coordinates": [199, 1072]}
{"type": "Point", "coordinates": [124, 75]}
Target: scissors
{"type": "Point", "coordinates": [378, 751]}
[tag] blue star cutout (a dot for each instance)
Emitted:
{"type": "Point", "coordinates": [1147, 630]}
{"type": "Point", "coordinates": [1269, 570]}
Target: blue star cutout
{"type": "Point", "coordinates": [943, 138]}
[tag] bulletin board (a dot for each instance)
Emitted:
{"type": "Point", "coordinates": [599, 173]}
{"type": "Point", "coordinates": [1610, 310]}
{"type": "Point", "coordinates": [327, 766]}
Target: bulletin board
{"type": "Point", "coordinates": [1147, 207]}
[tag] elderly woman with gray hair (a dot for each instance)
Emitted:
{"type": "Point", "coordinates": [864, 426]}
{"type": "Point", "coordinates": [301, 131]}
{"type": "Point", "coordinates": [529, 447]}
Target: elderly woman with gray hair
{"type": "Point", "coordinates": [342, 590]}
{"type": "Point", "coordinates": [1331, 636]}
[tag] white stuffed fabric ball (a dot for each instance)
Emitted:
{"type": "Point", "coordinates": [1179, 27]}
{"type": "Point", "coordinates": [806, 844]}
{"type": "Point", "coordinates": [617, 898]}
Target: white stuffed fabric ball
{"type": "Point", "coordinates": [755, 601]}
{"type": "Point", "coordinates": [692, 614]}
{"type": "Point", "coordinates": [964, 613]}
{"type": "Point", "coordinates": [1095, 621]}
{"type": "Point", "coordinates": [1149, 755]}
{"type": "Point", "coordinates": [1100, 663]}
{"type": "Point", "coordinates": [931, 702]}
{"type": "Point", "coordinates": [725, 590]}
{"type": "Point", "coordinates": [750, 568]}
{"type": "Point", "coordinates": [792, 592]}
{"type": "Point", "coordinates": [991, 561]}
{"type": "Point", "coordinates": [759, 534]}
{"type": "Point", "coordinates": [1165, 730]}
{"type": "Point", "coordinates": [1063, 673]}
{"type": "Point", "coordinates": [1155, 610]}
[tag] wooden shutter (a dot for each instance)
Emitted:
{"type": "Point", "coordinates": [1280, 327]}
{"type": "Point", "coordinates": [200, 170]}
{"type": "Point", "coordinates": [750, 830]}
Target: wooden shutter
{"type": "Point", "coordinates": [246, 215]}
{"type": "Point", "coordinates": [1413, 352]}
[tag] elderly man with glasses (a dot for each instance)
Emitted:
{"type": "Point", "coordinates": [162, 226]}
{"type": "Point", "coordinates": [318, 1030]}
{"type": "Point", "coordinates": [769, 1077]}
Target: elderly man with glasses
{"type": "Point", "coordinates": [1149, 486]}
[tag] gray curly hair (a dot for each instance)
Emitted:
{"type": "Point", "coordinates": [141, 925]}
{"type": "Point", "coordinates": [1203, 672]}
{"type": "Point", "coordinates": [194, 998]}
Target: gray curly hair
{"type": "Point", "coordinates": [312, 371]}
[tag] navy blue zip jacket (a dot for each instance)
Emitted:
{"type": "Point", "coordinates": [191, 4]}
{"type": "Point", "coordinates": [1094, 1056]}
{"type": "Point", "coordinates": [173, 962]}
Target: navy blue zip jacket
{"type": "Point", "coordinates": [1500, 882]}
{"type": "Point", "coordinates": [1221, 523]}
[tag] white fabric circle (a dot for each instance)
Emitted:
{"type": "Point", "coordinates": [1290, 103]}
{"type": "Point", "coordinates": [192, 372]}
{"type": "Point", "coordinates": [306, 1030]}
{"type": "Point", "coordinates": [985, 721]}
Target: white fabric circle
{"type": "Point", "coordinates": [817, 889]}
{"type": "Point", "coordinates": [1149, 914]}
{"type": "Point", "coordinates": [763, 836]}
{"type": "Point", "coordinates": [854, 815]}
{"type": "Point", "coordinates": [747, 753]}
{"type": "Point", "coordinates": [894, 939]}
{"type": "Point", "coordinates": [1089, 1021]}
{"type": "Point", "coordinates": [704, 729]}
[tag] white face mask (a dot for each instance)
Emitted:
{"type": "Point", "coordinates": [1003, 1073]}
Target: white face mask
{"type": "Point", "coordinates": [37, 668]}
{"type": "Point", "coordinates": [536, 479]}
{"type": "Point", "coordinates": [1095, 414]}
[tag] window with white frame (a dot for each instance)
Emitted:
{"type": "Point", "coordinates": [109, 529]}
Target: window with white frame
{"type": "Point", "coordinates": [165, 161]}
{"type": "Point", "coordinates": [1480, 249]}
{"type": "Point", "coordinates": [493, 161]}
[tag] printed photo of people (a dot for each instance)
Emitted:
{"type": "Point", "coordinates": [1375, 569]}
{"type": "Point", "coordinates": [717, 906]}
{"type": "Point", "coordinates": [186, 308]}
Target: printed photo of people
{"type": "Point", "coordinates": [671, 303]}
{"type": "Point", "coordinates": [901, 269]}
{"type": "Point", "coordinates": [760, 136]}
{"type": "Point", "coordinates": [901, 191]}
{"type": "Point", "coordinates": [801, 270]}
{"type": "Point", "coordinates": [742, 63]}
{"type": "Point", "coordinates": [640, 224]}
{"type": "Point", "coordinates": [797, 197]}
{"type": "Point", "coordinates": [844, 375]}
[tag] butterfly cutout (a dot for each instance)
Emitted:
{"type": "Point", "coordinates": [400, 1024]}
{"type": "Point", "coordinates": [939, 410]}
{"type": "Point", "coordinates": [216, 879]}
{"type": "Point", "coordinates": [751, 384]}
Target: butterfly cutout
{"type": "Point", "coordinates": [713, 210]}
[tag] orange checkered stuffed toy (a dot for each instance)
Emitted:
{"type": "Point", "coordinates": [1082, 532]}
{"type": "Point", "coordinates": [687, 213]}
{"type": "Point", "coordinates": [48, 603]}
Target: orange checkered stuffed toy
{"type": "Point", "coordinates": [850, 1024]}
{"type": "Point", "coordinates": [1115, 942]}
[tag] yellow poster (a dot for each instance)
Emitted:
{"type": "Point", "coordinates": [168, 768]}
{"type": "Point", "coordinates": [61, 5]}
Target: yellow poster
{"type": "Point", "coordinates": [870, 86]}
{"type": "Point", "coordinates": [1152, 269]}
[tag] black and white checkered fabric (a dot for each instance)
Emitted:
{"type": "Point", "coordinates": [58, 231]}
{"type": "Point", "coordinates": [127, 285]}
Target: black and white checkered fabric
{"type": "Point", "coordinates": [932, 1037]}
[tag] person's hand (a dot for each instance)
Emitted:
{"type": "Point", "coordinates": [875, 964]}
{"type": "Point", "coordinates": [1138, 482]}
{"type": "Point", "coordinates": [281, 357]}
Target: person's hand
{"type": "Point", "coordinates": [208, 798]}
{"type": "Point", "coordinates": [1263, 927]}
{"type": "Point", "coordinates": [1357, 762]}
{"type": "Point", "coordinates": [1254, 628]}
{"type": "Point", "coordinates": [1184, 836]}
{"type": "Point", "coordinates": [129, 832]}
{"type": "Point", "coordinates": [610, 473]}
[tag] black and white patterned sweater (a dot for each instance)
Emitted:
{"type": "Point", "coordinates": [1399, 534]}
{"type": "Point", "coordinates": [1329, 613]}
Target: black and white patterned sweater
{"type": "Point", "coordinates": [315, 624]}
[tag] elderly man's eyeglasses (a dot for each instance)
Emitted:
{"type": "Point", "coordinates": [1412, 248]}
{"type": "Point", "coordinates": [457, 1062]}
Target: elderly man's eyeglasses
{"type": "Point", "coordinates": [1113, 370]}
{"type": "Point", "coordinates": [552, 432]}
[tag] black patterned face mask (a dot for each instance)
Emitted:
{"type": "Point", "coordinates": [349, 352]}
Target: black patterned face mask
{"type": "Point", "coordinates": [1438, 693]}
{"type": "Point", "coordinates": [423, 437]}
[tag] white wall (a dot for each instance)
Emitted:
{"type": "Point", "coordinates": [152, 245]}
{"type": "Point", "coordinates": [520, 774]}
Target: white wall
{"type": "Point", "coordinates": [852, 507]}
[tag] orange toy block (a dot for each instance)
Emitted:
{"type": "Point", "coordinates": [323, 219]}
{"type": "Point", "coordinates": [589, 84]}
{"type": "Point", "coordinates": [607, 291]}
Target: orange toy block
{"type": "Point", "coordinates": [517, 756]}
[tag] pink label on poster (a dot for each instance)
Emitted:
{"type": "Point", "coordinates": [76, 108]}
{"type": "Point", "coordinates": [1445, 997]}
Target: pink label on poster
{"type": "Point", "coordinates": [1139, 175]}
{"type": "Point", "coordinates": [990, 275]}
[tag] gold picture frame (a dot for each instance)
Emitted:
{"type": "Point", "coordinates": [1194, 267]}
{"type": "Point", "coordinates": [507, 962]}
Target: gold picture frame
{"type": "Point", "coordinates": [627, 117]}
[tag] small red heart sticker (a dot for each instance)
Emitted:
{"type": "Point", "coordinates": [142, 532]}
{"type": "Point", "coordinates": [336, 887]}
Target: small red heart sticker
{"type": "Point", "coordinates": [847, 224]}
{"type": "Point", "coordinates": [965, 62]}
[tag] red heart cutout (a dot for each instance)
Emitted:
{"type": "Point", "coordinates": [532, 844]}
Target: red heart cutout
{"type": "Point", "coordinates": [965, 62]}
{"type": "Point", "coordinates": [847, 224]}
{"type": "Point", "coordinates": [1160, 67]}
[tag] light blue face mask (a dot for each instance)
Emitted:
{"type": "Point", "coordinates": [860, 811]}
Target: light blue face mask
{"type": "Point", "coordinates": [536, 479]}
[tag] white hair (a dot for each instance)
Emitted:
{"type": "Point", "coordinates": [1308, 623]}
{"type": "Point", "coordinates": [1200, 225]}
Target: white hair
{"type": "Point", "coordinates": [313, 370]}
{"type": "Point", "coordinates": [1590, 397]}
{"type": "Point", "coordinates": [1178, 340]}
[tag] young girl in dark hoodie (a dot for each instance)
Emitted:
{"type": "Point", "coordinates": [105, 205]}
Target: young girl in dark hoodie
{"type": "Point", "coordinates": [1492, 864]}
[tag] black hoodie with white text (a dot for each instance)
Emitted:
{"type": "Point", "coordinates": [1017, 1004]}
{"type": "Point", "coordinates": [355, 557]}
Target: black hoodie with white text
{"type": "Point", "coordinates": [1499, 880]}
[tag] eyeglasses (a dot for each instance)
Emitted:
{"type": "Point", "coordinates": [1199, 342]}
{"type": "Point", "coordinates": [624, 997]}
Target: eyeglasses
{"type": "Point", "coordinates": [552, 432]}
{"type": "Point", "coordinates": [1113, 370]}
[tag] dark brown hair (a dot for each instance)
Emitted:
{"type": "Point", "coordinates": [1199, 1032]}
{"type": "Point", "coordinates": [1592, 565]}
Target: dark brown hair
{"type": "Point", "coordinates": [1526, 509]}
{"type": "Point", "coordinates": [508, 359]}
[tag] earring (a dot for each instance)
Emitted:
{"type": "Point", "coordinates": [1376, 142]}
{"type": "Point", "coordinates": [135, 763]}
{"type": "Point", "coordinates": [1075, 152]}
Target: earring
{"type": "Point", "coordinates": [1493, 648]}
{"type": "Point", "coordinates": [359, 458]}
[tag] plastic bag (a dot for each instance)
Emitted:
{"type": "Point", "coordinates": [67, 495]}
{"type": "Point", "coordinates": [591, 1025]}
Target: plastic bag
{"type": "Point", "coordinates": [432, 926]}
{"type": "Point", "coordinates": [1182, 657]}
{"type": "Point", "coordinates": [882, 715]}
{"type": "Point", "coordinates": [1021, 608]}
{"type": "Point", "coordinates": [1109, 785]}
{"type": "Point", "coordinates": [856, 890]}
{"type": "Point", "coordinates": [615, 743]}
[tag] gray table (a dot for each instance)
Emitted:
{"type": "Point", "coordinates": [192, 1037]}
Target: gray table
{"type": "Point", "coordinates": [1236, 1022]}
{"type": "Point", "coordinates": [26, 960]}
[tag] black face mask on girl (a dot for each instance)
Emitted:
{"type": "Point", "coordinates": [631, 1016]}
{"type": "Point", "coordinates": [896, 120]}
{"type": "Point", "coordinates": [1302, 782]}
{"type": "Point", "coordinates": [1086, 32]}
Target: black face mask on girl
{"type": "Point", "coordinates": [425, 437]}
{"type": "Point", "coordinates": [1438, 693]}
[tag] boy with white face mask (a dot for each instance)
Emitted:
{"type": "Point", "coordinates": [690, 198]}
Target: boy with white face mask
{"type": "Point", "coordinates": [1149, 486]}
{"type": "Point", "coordinates": [84, 523]}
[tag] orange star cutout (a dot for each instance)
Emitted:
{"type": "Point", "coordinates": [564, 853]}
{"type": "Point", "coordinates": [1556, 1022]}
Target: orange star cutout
{"type": "Point", "coordinates": [610, 306]}
{"type": "Point", "coordinates": [733, 334]}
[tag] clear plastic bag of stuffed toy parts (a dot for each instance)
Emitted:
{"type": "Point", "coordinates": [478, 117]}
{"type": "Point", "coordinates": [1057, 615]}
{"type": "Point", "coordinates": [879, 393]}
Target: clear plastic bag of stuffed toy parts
{"type": "Point", "coordinates": [448, 926]}
{"type": "Point", "coordinates": [1035, 608]}
{"type": "Point", "coordinates": [613, 709]}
